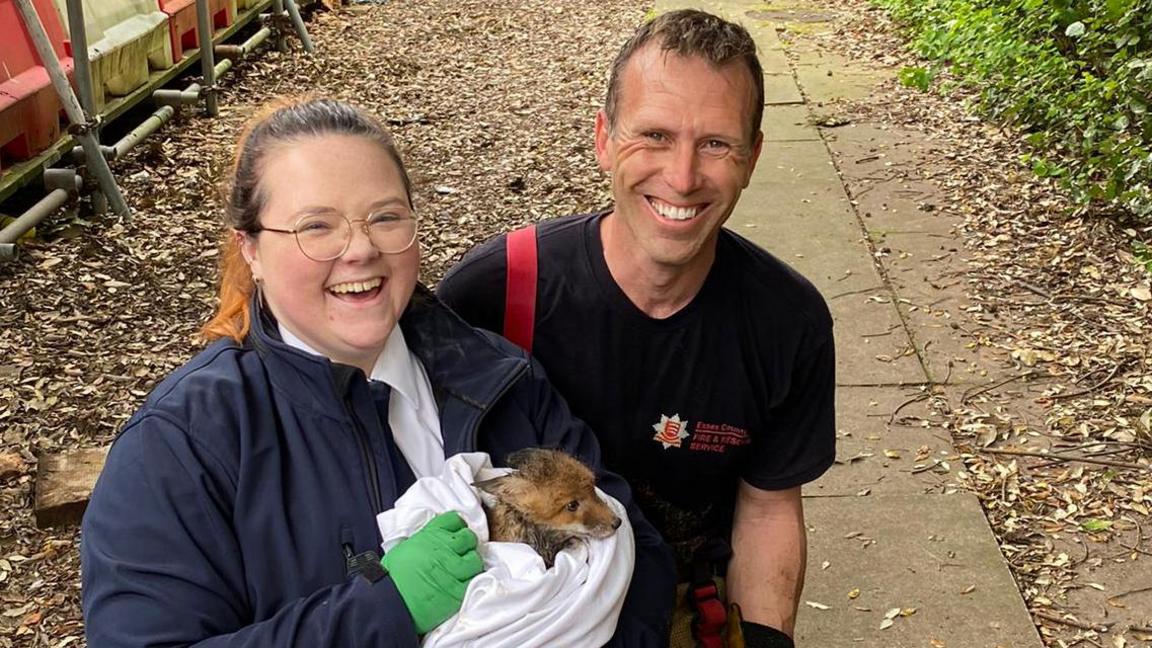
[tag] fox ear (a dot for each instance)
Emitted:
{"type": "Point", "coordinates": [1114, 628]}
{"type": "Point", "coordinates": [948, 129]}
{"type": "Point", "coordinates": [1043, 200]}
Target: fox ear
{"type": "Point", "coordinates": [507, 488]}
{"type": "Point", "coordinates": [490, 486]}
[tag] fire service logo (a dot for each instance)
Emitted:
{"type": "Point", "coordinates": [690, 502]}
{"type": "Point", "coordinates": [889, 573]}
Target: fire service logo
{"type": "Point", "coordinates": [670, 431]}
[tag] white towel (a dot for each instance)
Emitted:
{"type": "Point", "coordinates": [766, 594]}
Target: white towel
{"type": "Point", "coordinates": [516, 602]}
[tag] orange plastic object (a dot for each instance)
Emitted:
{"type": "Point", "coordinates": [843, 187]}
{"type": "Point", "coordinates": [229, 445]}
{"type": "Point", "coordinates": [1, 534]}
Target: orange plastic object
{"type": "Point", "coordinates": [183, 26]}
{"type": "Point", "coordinates": [29, 107]}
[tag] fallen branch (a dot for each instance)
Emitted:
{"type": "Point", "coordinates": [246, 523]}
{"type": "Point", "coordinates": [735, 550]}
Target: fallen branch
{"type": "Point", "coordinates": [1048, 616]}
{"type": "Point", "coordinates": [1000, 383]}
{"type": "Point", "coordinates": [1089, 390]}
{"type": "Point", "coordinates": [1054, 457]}
{"type": "Point", "coordinates": [1130, 593]}
{"type": "Point", "coordinates": [917, 399]}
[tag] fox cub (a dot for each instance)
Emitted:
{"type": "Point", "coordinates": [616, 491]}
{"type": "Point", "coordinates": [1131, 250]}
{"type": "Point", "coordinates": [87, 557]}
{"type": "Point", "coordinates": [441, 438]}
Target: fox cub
{"type": "Point", "coordinates": [547, 503]}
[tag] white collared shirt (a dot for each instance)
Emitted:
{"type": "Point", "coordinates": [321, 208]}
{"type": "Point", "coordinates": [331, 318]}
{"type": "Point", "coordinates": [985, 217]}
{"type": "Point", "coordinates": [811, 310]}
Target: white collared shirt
{"type": "Point", "coordinates": [412, 412]}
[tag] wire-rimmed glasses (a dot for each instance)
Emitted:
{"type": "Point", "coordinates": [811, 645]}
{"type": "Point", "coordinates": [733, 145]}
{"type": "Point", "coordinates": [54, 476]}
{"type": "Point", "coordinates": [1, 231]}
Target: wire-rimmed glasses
{"type": "Point", "coordinates": [324, 236]}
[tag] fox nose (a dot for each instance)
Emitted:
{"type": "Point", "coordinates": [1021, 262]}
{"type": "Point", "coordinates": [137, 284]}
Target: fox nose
{"type": "Point", "coordinates": [616, 523]}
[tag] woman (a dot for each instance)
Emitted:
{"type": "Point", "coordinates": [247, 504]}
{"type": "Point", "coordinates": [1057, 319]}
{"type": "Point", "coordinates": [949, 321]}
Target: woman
{"type": "Point", "coordinates": [238, 506]}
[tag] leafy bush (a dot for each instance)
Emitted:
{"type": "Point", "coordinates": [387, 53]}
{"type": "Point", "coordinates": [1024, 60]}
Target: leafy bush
{"type": "Point", "coordinates": [1075, 75]}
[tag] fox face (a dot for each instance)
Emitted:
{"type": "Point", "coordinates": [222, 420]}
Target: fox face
{"type": "Point", "coordinates": [547, 503]}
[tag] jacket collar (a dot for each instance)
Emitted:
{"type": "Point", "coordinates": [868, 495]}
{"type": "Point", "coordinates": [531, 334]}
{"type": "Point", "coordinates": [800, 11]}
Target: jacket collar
{"type": "Point", "coordinates": [461, 362]}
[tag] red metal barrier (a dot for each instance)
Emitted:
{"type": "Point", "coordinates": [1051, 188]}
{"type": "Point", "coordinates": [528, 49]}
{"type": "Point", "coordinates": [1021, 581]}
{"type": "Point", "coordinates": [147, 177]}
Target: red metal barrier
{"type": "Point", "coordinates": [29, 108]}
{"type": "Point", "coordinates": [182, 23]}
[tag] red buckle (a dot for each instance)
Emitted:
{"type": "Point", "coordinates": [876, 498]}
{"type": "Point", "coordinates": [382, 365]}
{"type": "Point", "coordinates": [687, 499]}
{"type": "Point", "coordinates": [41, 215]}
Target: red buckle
{"type": "Point", "coordinates": [710, 615]}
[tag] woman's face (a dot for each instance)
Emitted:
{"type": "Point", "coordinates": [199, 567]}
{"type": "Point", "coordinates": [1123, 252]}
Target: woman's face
{"type": "Point", "coordinates": [344, 308]}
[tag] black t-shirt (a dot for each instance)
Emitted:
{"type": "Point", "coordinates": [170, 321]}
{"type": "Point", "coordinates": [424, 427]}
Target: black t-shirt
{"type": "Point", "coordinates": [737, 384]}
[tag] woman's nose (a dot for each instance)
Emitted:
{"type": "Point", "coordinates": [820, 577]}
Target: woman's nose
{"type": "Point", "coordinates": [361, 245]}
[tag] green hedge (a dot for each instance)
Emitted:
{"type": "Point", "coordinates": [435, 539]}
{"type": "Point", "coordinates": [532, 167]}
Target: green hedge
{"type": "Point", "coordinates": [1074, 75]}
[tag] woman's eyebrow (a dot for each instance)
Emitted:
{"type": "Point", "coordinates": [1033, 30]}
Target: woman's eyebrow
{"type": "Point", "coordinates": [387, 202]}
{"type": "Point", "coordinates": [315, 209]}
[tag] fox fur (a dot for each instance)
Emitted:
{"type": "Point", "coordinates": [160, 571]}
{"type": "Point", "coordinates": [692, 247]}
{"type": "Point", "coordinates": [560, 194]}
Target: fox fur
{"type": "Point", "coordinates": [547, 503]}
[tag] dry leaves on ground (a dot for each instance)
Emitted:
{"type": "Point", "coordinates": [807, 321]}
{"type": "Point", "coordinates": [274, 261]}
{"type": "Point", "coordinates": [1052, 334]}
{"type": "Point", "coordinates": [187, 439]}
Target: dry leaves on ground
{"type": "Point", "coordinates": [1059, 453]}
{"type": "Point", "coordinates": [492, 105]}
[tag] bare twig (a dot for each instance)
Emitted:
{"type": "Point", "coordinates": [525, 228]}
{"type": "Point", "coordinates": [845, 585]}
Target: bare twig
{"type": "Point", "coordinates": [906, 403]}
{"type": "Point", "coordinates": [1048, 616]}
{"type": "Point", "coordinates": [1089, 390]}
{"type": "Point", "coordinates": [1129, 593]}
{"type": "Point", "coordinates": [999, 383]}
{"type": "Point", "coordinates": [1054, 457]}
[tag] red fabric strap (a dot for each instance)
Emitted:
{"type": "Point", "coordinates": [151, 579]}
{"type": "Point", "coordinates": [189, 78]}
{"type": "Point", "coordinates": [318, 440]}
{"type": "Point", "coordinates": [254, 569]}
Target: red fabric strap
{"type": "Point", "coordinates": [710, 615]}
{"type": "Point", "coordinates": [520, 294]}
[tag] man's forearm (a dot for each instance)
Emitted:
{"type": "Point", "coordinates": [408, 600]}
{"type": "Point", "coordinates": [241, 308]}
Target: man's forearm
{"type": "Point", "coordinates": [769, 552]}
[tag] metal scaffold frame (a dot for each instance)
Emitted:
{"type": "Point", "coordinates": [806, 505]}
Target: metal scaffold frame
{"type": "Point", "coordinates": [63, 185]}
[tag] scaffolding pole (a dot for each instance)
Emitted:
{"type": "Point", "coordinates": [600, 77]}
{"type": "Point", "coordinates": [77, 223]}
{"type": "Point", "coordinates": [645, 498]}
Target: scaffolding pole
{"type": "Point", "coordinates": [277, 17]}
{"type": "Point", "coordinates": [207, 58]}
{"type": "Point", "coordinates": [298, 23]}
{"type": "Point", "coordinates": [82, 67]}
{"type": "Point", "coordinates": [80, 124]}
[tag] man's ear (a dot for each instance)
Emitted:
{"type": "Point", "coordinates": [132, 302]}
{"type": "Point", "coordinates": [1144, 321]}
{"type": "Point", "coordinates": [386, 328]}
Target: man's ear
{"type": "Point", "coordinates": [603, 140]}
{"type": "Point", "coordinates": [754, 157]}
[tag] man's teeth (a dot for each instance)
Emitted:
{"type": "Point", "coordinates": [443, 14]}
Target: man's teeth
{"type": "Point", "coordinates": [674, 213]}
{"type": "Point", "coordinates": [356, 286]}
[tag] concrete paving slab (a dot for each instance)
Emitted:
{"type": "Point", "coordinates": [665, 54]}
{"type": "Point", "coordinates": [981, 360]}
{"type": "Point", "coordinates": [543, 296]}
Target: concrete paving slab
{"type": "Point", "coordinates": [889, 441]}
{"type": "Point", "coordinates": [826, 77]}
{"type": "Point", "coordinates": [798, 210]}
{"type": "Point", "coordinates": [774, 61]}
{"type": "Point", "coordinates": [784, 123]}
{"type": "Point", "coordinates": [908, 220]}
{"type": "Point", "coordinates": [931, 553]}
{"type": "Point", "coordinates": [781, 89]}
{"type": "Point", "coordinates": [865, 360]}
{"type": "Point", "coordinates": [799, 162]}
{"type": "Point", "coordinates": [762, 31]}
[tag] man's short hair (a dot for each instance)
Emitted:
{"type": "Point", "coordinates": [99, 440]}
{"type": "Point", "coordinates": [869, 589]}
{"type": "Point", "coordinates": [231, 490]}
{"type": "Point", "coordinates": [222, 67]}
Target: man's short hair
{"type": "Point", "coordinates": [687, 33]}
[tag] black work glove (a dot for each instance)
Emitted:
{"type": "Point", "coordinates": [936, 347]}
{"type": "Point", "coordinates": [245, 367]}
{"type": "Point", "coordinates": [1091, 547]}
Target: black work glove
{"type": "Point", "coordinates": [762, 636]}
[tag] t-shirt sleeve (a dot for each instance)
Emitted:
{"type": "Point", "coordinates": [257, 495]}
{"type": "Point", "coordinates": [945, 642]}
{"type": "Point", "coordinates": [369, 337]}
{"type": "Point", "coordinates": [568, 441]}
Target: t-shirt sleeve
{"type": "Point", "coordinates": [801, 441]}
{"type": "Point", "coordinates": [474, 287]}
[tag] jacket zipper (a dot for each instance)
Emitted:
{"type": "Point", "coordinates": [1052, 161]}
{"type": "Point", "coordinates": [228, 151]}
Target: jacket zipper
{"type": "Point", "coordinates": [369, 461]}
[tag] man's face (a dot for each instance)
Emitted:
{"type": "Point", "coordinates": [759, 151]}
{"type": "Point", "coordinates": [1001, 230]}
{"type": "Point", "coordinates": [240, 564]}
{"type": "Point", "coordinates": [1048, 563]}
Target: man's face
{"type": "Point", "coordinates": [679, 155]}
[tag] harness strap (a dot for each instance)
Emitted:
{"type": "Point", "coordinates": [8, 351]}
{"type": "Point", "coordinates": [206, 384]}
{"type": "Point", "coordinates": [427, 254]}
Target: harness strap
{"type": "Point", "coordinates": [711, 613]}
{"type": "Point", "coordinates": [711, 616]}
{"type": "Point", "coordinates": [520, 291]}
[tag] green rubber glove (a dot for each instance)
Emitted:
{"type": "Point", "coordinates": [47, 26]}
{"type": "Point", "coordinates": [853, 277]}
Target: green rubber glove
{"type": "Point", "coordinates": [432, 567]}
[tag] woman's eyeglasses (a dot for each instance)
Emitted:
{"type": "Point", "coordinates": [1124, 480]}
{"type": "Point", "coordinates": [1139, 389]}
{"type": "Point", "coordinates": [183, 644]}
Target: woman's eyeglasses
{"type": "Point", "coordinates": [327, 236]}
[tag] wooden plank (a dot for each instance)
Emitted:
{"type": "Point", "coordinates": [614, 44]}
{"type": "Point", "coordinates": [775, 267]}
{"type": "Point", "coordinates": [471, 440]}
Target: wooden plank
{"type": "Point", "coordinates": [64, 484]}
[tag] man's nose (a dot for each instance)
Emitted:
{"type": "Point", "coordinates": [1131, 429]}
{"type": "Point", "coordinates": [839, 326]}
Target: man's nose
{"type": "Point", "coordinates": [683, 170]}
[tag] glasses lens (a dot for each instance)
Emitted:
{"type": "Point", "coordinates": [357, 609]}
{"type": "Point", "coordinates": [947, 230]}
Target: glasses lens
{"type": "Point", "coordinates": [323, 237]}
{"type": "Point", "coordinates": [391, 233]}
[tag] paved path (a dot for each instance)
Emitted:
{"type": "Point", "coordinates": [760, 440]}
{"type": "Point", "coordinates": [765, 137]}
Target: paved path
{"type": "Point", "coordinates": [889, 526]}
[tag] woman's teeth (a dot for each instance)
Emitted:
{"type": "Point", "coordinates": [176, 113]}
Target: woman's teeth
{"type": "Point", "coordinates": [356, 286]}
{"type": "Point", "coordinates": [672, 212]}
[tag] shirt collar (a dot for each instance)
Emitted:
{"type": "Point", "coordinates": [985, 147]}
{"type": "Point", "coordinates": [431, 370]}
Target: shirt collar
{"type": "Point", "coordinates": [393, 366]}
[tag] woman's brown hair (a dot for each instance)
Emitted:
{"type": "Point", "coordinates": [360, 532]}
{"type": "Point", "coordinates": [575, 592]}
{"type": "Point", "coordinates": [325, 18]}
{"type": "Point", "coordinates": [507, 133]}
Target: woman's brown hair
{"type": "Point", "coordinates": [278, 123]}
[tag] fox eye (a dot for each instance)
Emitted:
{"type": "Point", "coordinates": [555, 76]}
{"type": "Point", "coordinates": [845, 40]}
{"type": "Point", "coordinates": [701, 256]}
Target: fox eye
{"type": "Point", "coordinates": [572, 506]}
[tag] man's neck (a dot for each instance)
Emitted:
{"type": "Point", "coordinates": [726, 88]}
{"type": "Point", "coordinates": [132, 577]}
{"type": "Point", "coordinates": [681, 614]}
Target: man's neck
{"type": "Point", "coordinates": [659, 290]}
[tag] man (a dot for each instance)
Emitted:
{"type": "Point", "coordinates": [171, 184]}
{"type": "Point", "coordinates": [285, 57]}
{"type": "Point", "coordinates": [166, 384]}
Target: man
{"type": "Point", "coordinates": [704, 364]}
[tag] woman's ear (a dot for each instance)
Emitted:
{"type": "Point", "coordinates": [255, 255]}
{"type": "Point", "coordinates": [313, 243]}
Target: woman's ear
{"type": "Point", "coordinates": [249, 250]}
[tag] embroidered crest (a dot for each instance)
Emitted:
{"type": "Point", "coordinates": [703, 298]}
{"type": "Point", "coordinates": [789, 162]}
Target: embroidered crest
{"type": "Point", "coordinates": [670, 431]}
